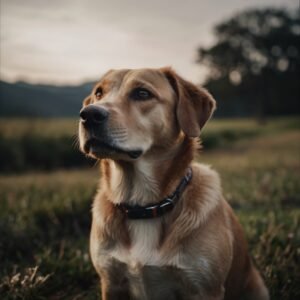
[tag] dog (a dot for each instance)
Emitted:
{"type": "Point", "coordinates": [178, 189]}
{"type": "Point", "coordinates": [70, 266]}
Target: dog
{"type": "Point", "coordinates": [161, 229]}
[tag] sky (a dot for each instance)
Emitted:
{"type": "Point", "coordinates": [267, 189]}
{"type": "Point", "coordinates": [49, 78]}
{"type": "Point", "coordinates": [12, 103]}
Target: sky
{"type": "Point", "coordinates": [72, 41]}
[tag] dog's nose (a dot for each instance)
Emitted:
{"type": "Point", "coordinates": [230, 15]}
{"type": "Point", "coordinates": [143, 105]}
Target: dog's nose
{"type": "Point", "coordinates": [93, 114]}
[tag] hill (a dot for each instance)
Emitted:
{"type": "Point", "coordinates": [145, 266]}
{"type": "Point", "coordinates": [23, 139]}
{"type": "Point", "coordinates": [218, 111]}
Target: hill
{"type": "Point", "coordinates": [22, 99]}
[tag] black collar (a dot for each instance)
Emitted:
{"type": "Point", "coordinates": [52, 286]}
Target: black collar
{"type": "Point", "coordinates": [158, 209]}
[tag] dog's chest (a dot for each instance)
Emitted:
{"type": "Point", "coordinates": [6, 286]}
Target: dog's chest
{"type": "Point", "coordinates": [144, 249]}
{"type": "Point", "coordinates": [152, 275]}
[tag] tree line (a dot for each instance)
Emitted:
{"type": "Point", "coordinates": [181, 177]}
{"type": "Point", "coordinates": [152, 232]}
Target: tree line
{"type": "Point", "coordinates": [254, 65]}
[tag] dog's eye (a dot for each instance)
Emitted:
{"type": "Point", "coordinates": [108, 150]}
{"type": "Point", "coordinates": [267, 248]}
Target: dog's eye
{"type": "Point", "coordinates": [98, 93]}
{"type": "Point", "coordinates": [141, 94]}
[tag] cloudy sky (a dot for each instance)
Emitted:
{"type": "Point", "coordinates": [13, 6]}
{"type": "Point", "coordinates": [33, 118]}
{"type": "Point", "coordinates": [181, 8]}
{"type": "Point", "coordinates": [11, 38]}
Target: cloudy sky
{"type": "Point", "coordinates": [70, 41]}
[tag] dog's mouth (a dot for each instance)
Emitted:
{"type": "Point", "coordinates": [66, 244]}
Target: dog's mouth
{"type": "Point", "coordinates": [104, 149]}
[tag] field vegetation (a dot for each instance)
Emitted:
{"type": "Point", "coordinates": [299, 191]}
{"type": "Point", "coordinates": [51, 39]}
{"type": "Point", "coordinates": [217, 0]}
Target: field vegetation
{"type": "Point", "coordinates": [45, 215]}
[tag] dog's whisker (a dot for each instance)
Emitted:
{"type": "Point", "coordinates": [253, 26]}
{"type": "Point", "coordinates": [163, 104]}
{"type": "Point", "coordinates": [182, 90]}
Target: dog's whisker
{"type": "Point", "coordinates": [97, 161]}
{"type": "Point", "coordinates": [75, 141]}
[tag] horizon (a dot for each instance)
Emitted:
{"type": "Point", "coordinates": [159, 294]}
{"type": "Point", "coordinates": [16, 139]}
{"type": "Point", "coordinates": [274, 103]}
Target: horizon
{"type": "Point", "coordinates": [66, 43]}
{"type": "Point", "coordinates": [51, 84]}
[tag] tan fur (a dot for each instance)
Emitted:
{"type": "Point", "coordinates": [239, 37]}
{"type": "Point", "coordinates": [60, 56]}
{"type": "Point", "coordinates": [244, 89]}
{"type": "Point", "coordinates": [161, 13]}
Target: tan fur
{"type": "Point", "coordinates": [196, 251]}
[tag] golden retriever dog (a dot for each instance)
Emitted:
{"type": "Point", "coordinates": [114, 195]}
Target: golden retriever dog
{"type": "Point", "coordinates": [161, 228]}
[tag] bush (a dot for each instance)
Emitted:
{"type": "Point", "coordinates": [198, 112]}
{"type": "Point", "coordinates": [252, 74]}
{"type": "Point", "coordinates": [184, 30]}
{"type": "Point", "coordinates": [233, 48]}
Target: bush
{"type": "Point", "coordinates": [225, 137]}
{"type": "Point", "coordinates": [33, 152]}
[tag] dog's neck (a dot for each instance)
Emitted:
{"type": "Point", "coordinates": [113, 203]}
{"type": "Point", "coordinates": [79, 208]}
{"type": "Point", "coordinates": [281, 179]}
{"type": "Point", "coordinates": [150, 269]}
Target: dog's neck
{"type": "Point", "coordinates": [148, 180]}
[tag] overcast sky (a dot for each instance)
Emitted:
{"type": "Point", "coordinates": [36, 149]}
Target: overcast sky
{"type": "Point", "coordinates": [70, 41]}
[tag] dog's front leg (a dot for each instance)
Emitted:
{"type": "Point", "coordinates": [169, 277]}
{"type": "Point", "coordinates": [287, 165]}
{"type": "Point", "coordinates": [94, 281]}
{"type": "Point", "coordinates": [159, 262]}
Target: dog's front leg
{"type": "Point", "coordinates": [217, 294]}
{"type": "Point", "coordinates": [114, 277]}
{"type": "Point", "coordinates": [114, 288]}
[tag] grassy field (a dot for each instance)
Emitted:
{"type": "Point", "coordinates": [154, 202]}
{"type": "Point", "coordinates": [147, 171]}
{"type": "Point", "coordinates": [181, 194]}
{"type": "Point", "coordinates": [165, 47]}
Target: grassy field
{"type": "Point", "coordinates": [45, 217]}
{"type": "Point", "coordinates": [49, 144]}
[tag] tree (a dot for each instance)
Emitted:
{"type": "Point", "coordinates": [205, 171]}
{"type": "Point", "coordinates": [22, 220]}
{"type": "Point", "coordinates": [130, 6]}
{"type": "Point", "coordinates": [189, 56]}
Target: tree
{"type": "Point", "coordinates": [254, 66]}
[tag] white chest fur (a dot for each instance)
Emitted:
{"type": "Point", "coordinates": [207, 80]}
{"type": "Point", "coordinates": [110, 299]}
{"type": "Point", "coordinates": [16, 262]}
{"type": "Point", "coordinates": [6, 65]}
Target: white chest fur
{"type": "Point", "coordinates": [144, 250]}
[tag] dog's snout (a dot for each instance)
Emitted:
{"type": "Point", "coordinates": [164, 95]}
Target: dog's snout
{"type": "Point", "coordinates": [93, 114]}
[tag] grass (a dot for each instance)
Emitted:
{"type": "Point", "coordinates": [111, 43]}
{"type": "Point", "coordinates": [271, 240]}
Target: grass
{"type": "Point", "coordinates": [18, 127]}
{"type": "Point", "coordinates": [38, 127]}
{"type": "Point", "coordinates": [261, 181]}
{"type": "Point", "coordinates": [36, 144]}
{"type": "Point", "coordinates": [45, 221]}
{"type": "Point", "coordinates": [45, 217]}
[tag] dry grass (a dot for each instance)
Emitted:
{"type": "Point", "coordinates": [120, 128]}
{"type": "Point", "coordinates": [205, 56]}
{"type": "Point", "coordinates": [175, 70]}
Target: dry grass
{"type": "Point", "coordinates": [41, 127]}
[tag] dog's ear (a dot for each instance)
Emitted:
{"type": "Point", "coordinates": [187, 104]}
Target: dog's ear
{"type": "Point", "coordinates": [87, 101]}
{"type": "Point", "coordinates": [195, 105]}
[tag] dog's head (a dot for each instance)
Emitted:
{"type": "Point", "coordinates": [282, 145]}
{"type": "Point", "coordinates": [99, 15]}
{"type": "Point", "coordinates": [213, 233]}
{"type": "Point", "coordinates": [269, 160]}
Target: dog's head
{"type": "Point", "coordinates": [131, 113]}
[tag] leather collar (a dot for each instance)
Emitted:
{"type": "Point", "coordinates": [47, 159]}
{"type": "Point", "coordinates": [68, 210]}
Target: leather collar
{"type": "Point", "coordinates": [157, 210]}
